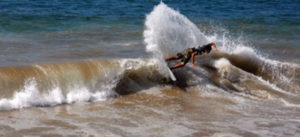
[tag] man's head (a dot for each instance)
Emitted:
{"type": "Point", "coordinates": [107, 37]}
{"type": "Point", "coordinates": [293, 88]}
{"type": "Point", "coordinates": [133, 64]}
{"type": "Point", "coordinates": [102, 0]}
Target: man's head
{"type": "Point", "coordinates": [207, 48]}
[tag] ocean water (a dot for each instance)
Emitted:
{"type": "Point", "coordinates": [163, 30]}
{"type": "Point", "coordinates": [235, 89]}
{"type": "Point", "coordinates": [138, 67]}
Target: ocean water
{"type": "Point", "coordinates": [96, 68]}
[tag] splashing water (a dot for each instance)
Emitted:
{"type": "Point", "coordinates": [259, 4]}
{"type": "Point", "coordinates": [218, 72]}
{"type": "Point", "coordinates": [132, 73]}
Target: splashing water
{"type": "Point", "coordinates": [168, 32]}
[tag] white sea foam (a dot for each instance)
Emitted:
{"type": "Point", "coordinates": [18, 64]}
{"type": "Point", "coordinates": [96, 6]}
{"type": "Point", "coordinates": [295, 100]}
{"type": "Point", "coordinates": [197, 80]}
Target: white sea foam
{"type": "Point", "coordinates": [30, 96]}
{"type": "Point", "coordinates": [225, 135]}
{"type": "Point", "coordinates": [222, 64]}
{"type": "Point", "coordinates": [127, 64]}
{"type": "Point", "coordinates": [288, 104]}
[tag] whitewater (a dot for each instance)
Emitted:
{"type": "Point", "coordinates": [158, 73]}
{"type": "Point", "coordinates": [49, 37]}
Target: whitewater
{"type": "Point", "coordinates": [238, 91]}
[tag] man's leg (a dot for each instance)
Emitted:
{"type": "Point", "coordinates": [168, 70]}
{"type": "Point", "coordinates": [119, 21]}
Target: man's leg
{"type": "Point", "coordinates": [178, 56]}
{"type": "Point", "coordinates": [172, 58]}
{"type": "Point", "coordinates": [185, 59]}
{"type": "Point", "coordinates": [181, 64]}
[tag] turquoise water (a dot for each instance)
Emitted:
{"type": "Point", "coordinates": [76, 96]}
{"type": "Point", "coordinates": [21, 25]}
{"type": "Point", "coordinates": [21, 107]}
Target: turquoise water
{"type": "Point", "coordinates": [42, 26]}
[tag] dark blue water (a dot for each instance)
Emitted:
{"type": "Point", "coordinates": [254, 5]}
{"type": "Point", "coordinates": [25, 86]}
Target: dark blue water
{"type": "Point", "coordinates": [54, 15]}
{"type": "Point", "coordinates": [272, 25]}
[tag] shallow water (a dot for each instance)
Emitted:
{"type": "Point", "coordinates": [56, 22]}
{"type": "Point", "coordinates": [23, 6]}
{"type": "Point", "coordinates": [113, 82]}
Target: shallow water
{"type": "Point", "coordinates": [82, 69]}
{"type": "Point", "coordinates": [158, 112]}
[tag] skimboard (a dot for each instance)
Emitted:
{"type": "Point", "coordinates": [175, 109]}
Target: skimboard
{"type": "Point", "coordinates": [172, 76]}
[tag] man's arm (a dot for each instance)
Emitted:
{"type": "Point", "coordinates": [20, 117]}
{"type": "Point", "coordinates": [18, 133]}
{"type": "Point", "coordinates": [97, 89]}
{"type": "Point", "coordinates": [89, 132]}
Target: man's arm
{"type": "Point", "coordinates": [193, 58]}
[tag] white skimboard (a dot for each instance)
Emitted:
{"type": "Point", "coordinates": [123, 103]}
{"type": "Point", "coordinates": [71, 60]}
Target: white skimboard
{"type": "Point", "coordinates": [171, 75]}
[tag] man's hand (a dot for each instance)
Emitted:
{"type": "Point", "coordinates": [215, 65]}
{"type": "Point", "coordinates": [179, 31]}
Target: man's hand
{"type": "Point", "coordinates": [194, 65]}
{"type": "Point", "coordinates": [214, 46]}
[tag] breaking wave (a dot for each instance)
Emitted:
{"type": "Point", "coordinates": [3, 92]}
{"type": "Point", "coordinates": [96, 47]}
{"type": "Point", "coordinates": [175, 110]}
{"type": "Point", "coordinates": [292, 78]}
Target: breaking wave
{"type": "Point", "coordinates": [59, 83]}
